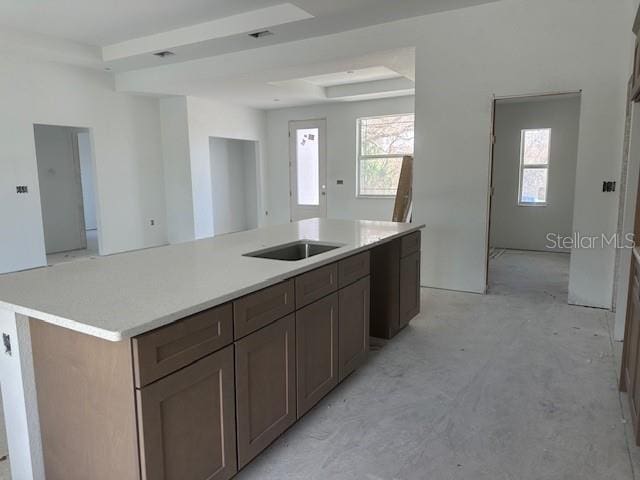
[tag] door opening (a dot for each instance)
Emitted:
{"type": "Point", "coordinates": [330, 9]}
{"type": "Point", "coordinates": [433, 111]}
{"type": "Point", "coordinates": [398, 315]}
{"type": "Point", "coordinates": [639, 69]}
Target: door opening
{"type": "Point", "coordinates": [67, 192]}
{"type": "Point", "coordinates": [234, 184]}
{"type": "Point", "coordinates": [531, 193]}
{"type": "Point", "coordinates": [308, 169]}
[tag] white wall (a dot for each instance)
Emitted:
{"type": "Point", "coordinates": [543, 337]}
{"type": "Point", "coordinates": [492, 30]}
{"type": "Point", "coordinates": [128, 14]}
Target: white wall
{"type": "Point", "coordinates": [126, 144]}
{"type": "Point", "coordinates": [508, 48]}
{"type": "Point", "coordinates": [341, 157]}
{"type": "Point", "coordinates": [233, 185]}
{"type": "Point", "coordinates": [88, 180]}
{"type": "Point", "coordinates": [526, 227]}
{"type": "Point", "coordinates": [463, 58]}
{"type": "Point", "coordinates": [251, 185]}
{"type": "Point", "coordinates": [174, 125]}
{"type": "Point", "coordinates": [218, 119]}
{"type": "Point", "coordinates": [187, 125]}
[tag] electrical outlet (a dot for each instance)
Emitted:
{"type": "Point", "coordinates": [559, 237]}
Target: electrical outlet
{"type": "Point", "coordinates": [6, 340]}
{"type": "Point", "coordinates": [608, 186]}
{"type": "Point", "coordinates": [22, 189]}
{"type": "Point", "coordinates": [152, 222]}
{"type": "Point", "coordinates": [340, 182]}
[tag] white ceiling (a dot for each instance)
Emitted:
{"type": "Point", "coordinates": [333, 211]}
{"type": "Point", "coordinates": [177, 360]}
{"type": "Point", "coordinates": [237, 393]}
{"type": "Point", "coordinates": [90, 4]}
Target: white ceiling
{"type": "Point", "coordinates": [352, 76]}
{"type": "Point", "coordinates": [101, 22]}
{"type": "Point", "coordinates": [280, 82]}
{"type": "Point", "coordinates": [107, 22]}
{"type": "Point", "coordinates": [214, 57]}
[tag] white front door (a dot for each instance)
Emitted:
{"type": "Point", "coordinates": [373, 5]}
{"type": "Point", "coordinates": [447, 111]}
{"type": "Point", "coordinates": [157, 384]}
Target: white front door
{"type": "Point", "coordinates": [308, 169]}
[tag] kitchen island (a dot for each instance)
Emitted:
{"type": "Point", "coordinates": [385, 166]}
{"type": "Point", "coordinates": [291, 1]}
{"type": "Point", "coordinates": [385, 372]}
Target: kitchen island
{"type": "Point", "coordinates": [186, 361]}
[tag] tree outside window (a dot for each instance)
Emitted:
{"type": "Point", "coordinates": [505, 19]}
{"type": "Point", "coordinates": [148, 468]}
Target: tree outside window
{"type": "Point", "coordinates": [382, 142]}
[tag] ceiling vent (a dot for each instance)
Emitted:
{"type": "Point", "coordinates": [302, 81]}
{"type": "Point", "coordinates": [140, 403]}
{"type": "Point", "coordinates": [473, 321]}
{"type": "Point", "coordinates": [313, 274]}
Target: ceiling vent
{"type": "Point", "coordinates": [164, 54]}
{"type": "Point", "coordinates": [262, 33]}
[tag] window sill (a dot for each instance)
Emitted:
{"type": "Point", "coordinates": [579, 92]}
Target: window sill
{"type": "Point", "coordinates": [375, 197]}
{"type": "Point", "coordinates": [532, 204]}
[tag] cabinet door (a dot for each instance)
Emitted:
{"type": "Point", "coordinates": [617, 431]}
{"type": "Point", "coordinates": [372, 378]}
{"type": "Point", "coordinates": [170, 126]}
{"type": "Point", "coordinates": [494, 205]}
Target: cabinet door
{"type": "Point", "coordinates": [409, 288]}
{"type": "Point", "coordinates": [265, 387]}
{"type": "Point", "coordinates": [187, 422]}
{"type": "Point", "coordinates": [385, 289]}
{"type": "Point", "coordinates": [632, 346]}
{"type": "Point", "coordinates": [354, 326]}
{"type": "Point", "coordinates": [316, 351]}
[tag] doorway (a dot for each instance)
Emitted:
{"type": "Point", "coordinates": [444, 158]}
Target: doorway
{"type": "Point", "coordinates": [234, 184]}
{"type": "Point", "coordinates": [67, 192]}
{"type": "Point", "coordinates": [533, 169]}
{"type": "Point", "coordinates": [308, 169]}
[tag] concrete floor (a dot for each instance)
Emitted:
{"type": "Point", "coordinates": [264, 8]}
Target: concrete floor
{"type": "Point", "coordinates": [512, 385]}
{"type": "Point", "coordinates": [90, 251]}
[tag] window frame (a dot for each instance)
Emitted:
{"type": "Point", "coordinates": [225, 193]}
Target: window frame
{"type": "Point", "coordinates": [360, 156]}
{"type": "Point", "coordinates": [541, 166]}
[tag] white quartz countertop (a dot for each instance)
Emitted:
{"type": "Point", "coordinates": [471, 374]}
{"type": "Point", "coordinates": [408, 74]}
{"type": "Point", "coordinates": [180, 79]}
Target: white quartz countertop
{"type": "Point", "coordinates": [120, 296]}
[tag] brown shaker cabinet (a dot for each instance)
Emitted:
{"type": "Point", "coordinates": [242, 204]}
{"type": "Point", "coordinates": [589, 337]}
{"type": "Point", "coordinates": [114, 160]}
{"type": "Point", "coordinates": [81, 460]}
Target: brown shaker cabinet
{"type": "Point", "coordinates": [316, 351]}
{"type": "Point", "coordinates": [265, 387]}
{"type": "Point", "coordinates": [409, 288]}
{"type": "Point", "coordinates": [183, 402]}
{"type": "Point", "coordinates": [630, 378]}
{"type": "Point", "coordinates": [354, 307]}
{"type": "Point", "coordinates": [187, 422]}
{"type": "Point", "coordinates": [385, 290]}
{"type": "Point", "coordinates": [395, 285]}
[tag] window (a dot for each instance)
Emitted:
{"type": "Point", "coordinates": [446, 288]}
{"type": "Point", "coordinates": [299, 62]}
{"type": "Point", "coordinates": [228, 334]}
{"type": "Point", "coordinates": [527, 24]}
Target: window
{"type": "Point", "coordinates": [382, 142]}
{"type": "Point", "coordinates": [534, 167]}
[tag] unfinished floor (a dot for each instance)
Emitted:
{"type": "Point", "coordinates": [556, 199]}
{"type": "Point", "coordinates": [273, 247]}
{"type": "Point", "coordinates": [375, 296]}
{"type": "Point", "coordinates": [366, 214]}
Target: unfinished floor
{"type": "Point", "coordinates": [512, 385]}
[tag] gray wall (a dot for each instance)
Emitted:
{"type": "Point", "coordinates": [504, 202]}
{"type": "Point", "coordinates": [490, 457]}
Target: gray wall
{"type": "Point", "coordinates": [60, 188]}
{"type": "Point", "coordinates": [234, 185]}
{"type": "Point", "coordinates": [526, 228]}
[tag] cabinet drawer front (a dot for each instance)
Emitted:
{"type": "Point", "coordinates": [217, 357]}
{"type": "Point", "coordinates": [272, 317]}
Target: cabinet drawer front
{"type": "Point", "coordinates": [316, 284]}
{"type": "Point", "coordinates": [265, 387]}
{"type": "Point", "coordinates": [258, 309]}
{"type": "Point", "coordinates": [353, 268]}
{"type": "Point", "coordinates": [316, 351]}
{"type": "Point", "coordinates": [187, 422]}
{"type": "Point", "coordinates": [410, 244]}
{"type": "Point", "coordinates": [167, 349]}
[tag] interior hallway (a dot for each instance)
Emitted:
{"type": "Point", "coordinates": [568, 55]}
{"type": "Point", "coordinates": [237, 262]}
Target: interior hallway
{"type": "Point", "coordinates": [512, 385]}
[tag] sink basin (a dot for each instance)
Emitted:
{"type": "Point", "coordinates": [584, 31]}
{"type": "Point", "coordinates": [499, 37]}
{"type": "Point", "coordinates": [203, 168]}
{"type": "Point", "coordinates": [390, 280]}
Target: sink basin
{"type": "Point", "coordinates": [294, 251]}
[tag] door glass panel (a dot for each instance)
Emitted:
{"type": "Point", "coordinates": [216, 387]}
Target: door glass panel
{"type": "Point", "coordinates": [308, 166]}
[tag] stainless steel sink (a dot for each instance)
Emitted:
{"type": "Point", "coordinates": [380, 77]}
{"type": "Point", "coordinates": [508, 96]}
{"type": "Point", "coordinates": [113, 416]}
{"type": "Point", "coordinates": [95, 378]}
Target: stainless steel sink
{"type": "Point", "coordinates": [294, 251]}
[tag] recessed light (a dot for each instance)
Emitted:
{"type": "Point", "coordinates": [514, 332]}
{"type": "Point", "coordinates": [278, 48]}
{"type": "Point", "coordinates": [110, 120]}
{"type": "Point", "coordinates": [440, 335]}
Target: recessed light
{"type": "Point", "coordinates": [261, 33]}
{"type": "Point", "coordinates": [165, 53]}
